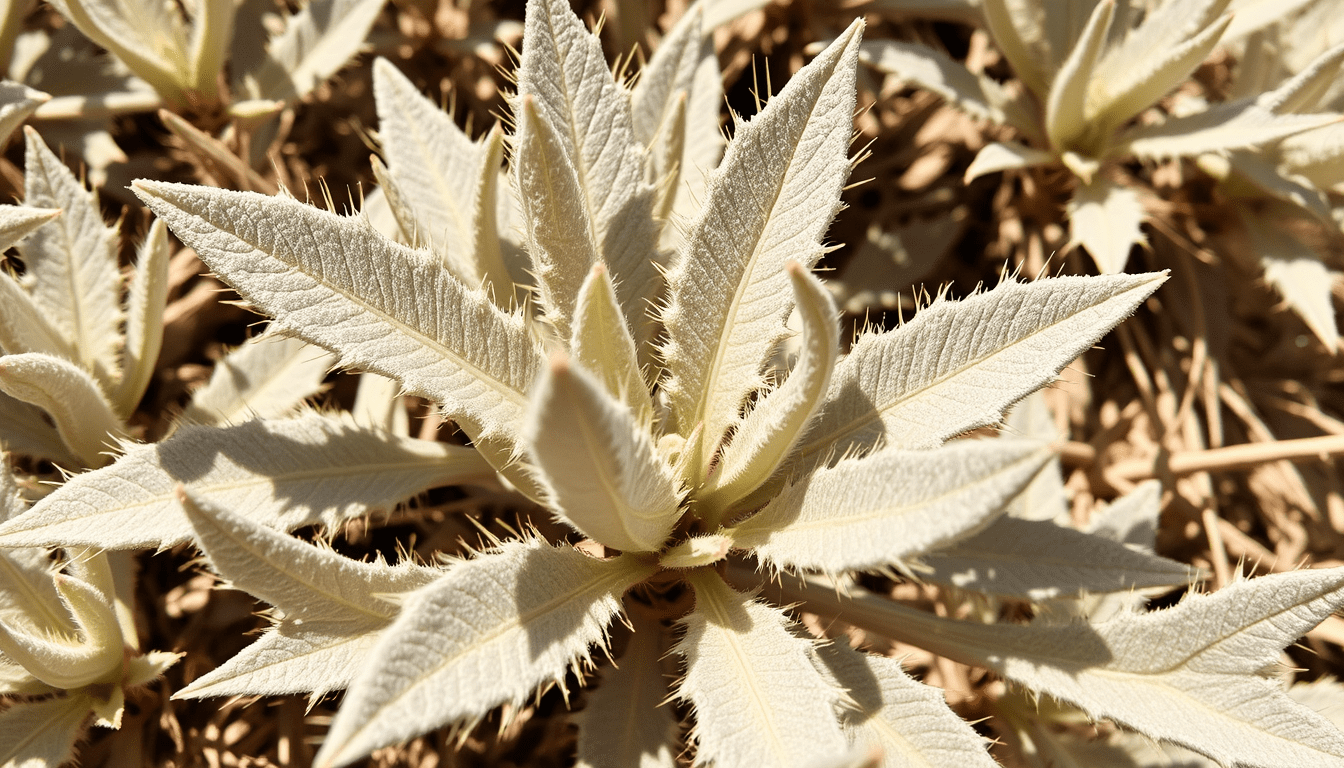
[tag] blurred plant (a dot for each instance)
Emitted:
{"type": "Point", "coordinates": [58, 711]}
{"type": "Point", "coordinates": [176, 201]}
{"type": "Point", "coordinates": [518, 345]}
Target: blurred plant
{"type": "Point", "coordinates": [1085, 71]}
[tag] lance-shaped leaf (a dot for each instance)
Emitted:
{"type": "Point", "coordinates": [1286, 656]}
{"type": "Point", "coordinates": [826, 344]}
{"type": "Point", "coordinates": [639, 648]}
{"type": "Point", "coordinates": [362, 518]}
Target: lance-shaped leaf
{"type": "Point", "coordinates": [671, 70]}
{"type": "Point", "coordinates": [24, 327]}
{"type": "Point", "coordinates": [1105, 218]}
{"type": "Point", "coordinates": [1066, 121]}
{"type": "Point", "coordinates": [702, 147]}
{"type": "Point", "coordinates": [17, 102]}
{"type": "Point", "coordinates": [211, 33]}
{"type": "Point", "coordinates": [1003, 156]}
{"type": "Point", "coordinates": [333, 607]}
{"type": "Point", "coordinates": [72, 262]}
{"type": "Point", "coordinates": [1302, 92]}
{"type": "Point", "coordinates": [937, 72]}
{"type": "Point", "coordinates": [1037, 560]}
{"type": "Point", "coordinates": [446, 179]}
{"type": "Point", "coordinates": [598, 463]}
{"type": "Point", "coordinates": [27, 591]}
{"type": "Point", "coordinates": [1316, 155]}
{"type": "Point", "coordinates": [758, 696]}
{"type": "Point", "coordinates": [773, 426]}
{"type": "Point", "coordinates": [149, 49]}
{"type": "Point", "coordinates": [1191, 674]}
{"type": "Point", "coordinates": [144, 318]}
{"type": "Point", "coordinates": [602, 344]}
{"type": "Point", "coordinates": [268, 376]}
{"type": "Point", "coordinates": [908, 721]}
{"type": "Point", "coordinates": [283, 474]}
{"type": "Point", "coordinates": [770, 202]}
{"type": "Point", "coordinates": [959, 365]}
{"type": "Point", "coordinates": [316, 42]}
{"type": "Point", "coordinates": [16, 221]}
{"type": "Point", "coordinates": [625, 723]}
{"type": "Point", "coordinates": [380, 306]}
{"type": "Point", "coordinates": [563, 70]}
{"type": "Point", "coordinates": [63, 661]}
{"type": "Point", "coordinates": [42, 733]}
{"type": "Point", "coordinates": [559, 238]}
{"type": "Point", "coordinates": [1220, 128]}
{"type": "Point", "coordinates": [487, 632]}
{"type": "Point", "coordinates": [890, 507]}
{"type": "Point", "coordinates": [1154, 59]}
{"type": "Point", "coordinates": [83, 416]}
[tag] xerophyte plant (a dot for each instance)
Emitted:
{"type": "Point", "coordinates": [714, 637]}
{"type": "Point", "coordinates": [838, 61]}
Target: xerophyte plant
{"type": "Point", "coordinates": [1085, 71]}
{"type": "Point", "coordinates": [635, 400]}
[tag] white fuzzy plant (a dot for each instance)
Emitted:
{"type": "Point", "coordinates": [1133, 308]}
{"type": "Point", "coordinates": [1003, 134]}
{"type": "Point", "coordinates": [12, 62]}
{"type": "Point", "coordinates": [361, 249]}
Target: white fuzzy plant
{"type": "Point", "coordinates": [664, 440]}
{"type": "Point", "coordinates": [1086, 69]}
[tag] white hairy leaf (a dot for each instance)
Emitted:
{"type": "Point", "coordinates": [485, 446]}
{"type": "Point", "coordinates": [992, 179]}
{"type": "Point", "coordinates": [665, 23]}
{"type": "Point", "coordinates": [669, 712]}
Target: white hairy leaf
{"type": "Point", "coordinates": [333, 607]}
{"type": "Point", "coordinates": [758, 696]}
{"type": "Point", "coordinates": [991, 350]}
{"type": "Point", "coordinates": [42, 733]}
{"type": "Point", "coordinates": [1297, 273]}
{"type": "Point", "coordinates": [625, 723]}
{"type": "Point", "coordinates": [1220, 128]}
{"type": "Point", "coordinates": [81, 412]}
{"type": "Point", "coordinates": [144, 318]}
{"type": "Point", "coordinates": [703, 145]}
{"type": "Point", "coordinates": [773, 426]}
{"type": "Point", "coordinates": [92, 653]}
{"type": "Point", "coordinates": [208, 48]}
{"type": "Point", "coordinates": [71, 263]}
{"type": "Point", "coordinates": [1154, 59]}
{"type": "Point", "coordinates": [17, 102]}
{"type": "Point", "coordinates": [1132, 518]}
{"type": "Point", "coordinates": [598, 463]}
{"type": "Point", "coordinates": [937, 72]}
{"type": "Point", "coordinates": [379, 405]}
{"type": "Point", "coordinates": [1189, 674]}
{"type": "Point", "coordinates": [671, 70]}
{"type": "Point", "coordinates": [380, 306]}
{"type": "Point", "coordinates": [908, 721]}
{"type": "Point", "coordinates": [24, 326]}
{"type": "Point", "coordinates": [770, 202]}
{"type": "Point", "coordinates": [16, 221]}
{"type": "Point", "coordinates": [1105, 218]}
{"type": "Point", "coordinates": [487, 632]}
{"type": "Point", "coordinates": [316, 42]}
{"type": "Point", "coordinates": [602, 344]}
{"type": "Point", "coordinates": [23, 429]}
{"type": "Point", "coordinates": [1066, 110]}
{"type": "Point", "coordinates": [889, 507]}
{"type": "Point", "coordinates": [159, 59]}
{"type": "Point", "coordinates": [267, 377]}
{"type": "Point", "coordinates": [441, 174]}
{"type": "Point", "coordinates": [1317, 155]}
{"type": "Point", "coordinates": [1301, 92]}
{"type": "Point", "coordinates": [1003, 156]}
{"type": "Point", "coordinates": [1038, 560]}
{"type": "Point", "coordinates": [565, 73]}
{"type": "Point", "coordinates": [563, 247]}
{"type": "Point", "coordinates": [1280, 180]}
{"type": "Point", "coordinates": [1045, 497]}
{"type": "Point", "coordinates": [280, 473]}
{"type": "Point", "coordinates": [1004, 19]}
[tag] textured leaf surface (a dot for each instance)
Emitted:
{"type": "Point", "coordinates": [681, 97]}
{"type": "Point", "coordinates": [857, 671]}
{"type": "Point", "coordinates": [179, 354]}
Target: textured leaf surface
{"type": "Point", "coordinates": [602, 344]}
{"type": "Point", "coordinates": [267, 377]}
{"type": "Point", "coordinates": [1221, 128]}
{"type": "Point", "coordinates": [958, 365]}
{"type": "Point", "coordinates": [1298, 274]}
{"type": "Point", "coordinates": [564, 71]}
{"type": "Point", "coordinates": [70, 396]}
{"type": "Point", "coordinates": [17, 102]}
{"type": "Point", "coordinates": [16, 221]}
{"type": "Point", "coordinates": [333, 607]}
{"type": "Point", "coordinates": [283, 474]}
{"type": "Point", "coordinates": [937, 72]}
{"type": "Point", "coordinates": [626, 724]}
{"type": "Point", "coordinates": [1190, 674]}
{"type": "Point", "coordinates": [71, 263]}
{"type": "Point", "coordinates": [770, 202]}
{"type": "Point", "coordinates": [598, 462]}
{"type": "Point", "coordinates": [1037, 560]}
{"type": "Point", "coordinates": [891, 506]}
{"type": "Point", "coordinates": [489, 631]}
{"type": "Point", "coordinates": [909, 721]}
{"type": "Point", "coordinates": [42, 733]}
{"type": "Point", "coordinates": [1003, 156]}
{"type": "Point", "coordinates": [24, 327]}
{"type": "Point", "coordinates": [383, 307]}
{"type": "Point", "coordinates": [147, 299]}
{"type": "Point", "coordinates": [758, 696]}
